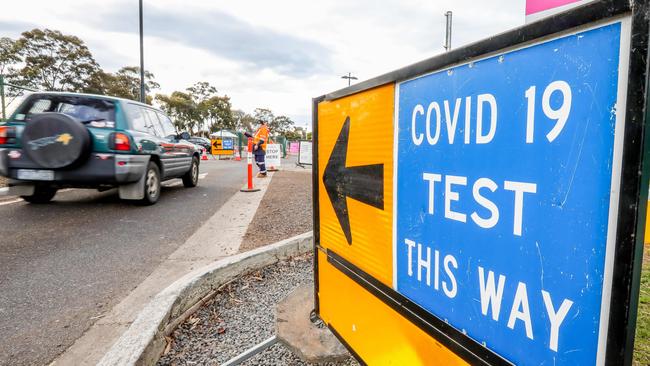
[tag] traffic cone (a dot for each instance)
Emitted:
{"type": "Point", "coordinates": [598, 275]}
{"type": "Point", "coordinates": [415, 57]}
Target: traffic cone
{"type": "Point", "coordinates": [204, 156]}
{"type": "Point", "coordinates": [249, 160]}
{"type": "Point", "coordinates": [237, 155]}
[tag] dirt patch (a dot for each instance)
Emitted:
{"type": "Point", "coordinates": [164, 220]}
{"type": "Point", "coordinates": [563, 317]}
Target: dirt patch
{"type": "Point", "coordinates": [285, 211]}
{"type": "Point", "coordinates": [239, 316]}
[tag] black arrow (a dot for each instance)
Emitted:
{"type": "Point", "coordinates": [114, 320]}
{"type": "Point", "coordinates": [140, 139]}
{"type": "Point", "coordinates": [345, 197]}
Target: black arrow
{"type": "Point", "coordinates": [362, 183]}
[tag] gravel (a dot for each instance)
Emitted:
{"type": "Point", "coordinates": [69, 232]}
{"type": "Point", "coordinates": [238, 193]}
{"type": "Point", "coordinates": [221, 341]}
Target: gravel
{"type": "Point", "coordinates": [285, 210]}
{"type": "Point", "coordinates": [241, 315]}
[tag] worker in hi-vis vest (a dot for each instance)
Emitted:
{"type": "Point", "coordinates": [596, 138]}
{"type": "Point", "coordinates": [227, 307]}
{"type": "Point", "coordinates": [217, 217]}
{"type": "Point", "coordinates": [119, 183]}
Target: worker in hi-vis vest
{"type": "Point", "coordinates": [259, 147]}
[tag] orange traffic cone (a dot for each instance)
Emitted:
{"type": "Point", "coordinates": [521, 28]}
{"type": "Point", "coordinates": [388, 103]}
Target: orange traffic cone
{"type": "Point", "coordinates": [237, 156]}
{"type": "Point", "coordinates": [204, 156]}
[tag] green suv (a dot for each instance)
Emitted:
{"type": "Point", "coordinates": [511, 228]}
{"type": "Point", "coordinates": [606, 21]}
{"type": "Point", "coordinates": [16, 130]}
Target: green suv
{"type": "Point", "coordinates": [70, 140]}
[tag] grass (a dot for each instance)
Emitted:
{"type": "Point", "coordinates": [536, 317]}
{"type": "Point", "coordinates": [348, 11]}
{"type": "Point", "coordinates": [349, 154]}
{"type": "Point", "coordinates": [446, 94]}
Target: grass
{"type": "Point", "coordinates": [642, 342]}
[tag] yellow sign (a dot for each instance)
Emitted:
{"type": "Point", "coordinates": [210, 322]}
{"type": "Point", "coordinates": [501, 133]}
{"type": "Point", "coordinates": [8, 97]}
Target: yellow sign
{"type": "Point", "coordinates": [217, 147]}
{"type": "Point", "coordinates": [368, 118]}
{"type": "Point", "coordinates": [377, 333]}
{"type": "Point", "coordinates": [355, 224]}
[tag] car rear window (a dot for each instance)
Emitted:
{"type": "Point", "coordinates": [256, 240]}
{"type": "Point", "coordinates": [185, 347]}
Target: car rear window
{"type": "Point", "coordinates": [92, 111]}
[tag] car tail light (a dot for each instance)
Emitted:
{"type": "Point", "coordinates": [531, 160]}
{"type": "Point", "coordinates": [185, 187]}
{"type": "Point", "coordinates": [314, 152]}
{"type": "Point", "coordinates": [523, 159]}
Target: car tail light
{"type": "Point", "coordinates": [7, 134]}
{"type": "Point", "coordinates": [121, 142]}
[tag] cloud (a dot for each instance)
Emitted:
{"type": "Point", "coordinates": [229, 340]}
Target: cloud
{"type": "Point", "coordinates": [11, 28]}
{"type": "Point", "coordinates": [226, 36]}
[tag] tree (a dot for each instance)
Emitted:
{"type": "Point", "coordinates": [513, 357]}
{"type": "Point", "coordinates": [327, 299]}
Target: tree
{"type": "Point", "coordinates": [280, 124]}
{"type": "Point", "coordinates": [293, 135]}
{"type": "Point", "coordinates": [201, 91]}
{"type": "Point", "coordinates": [243, 121]}
{"type": "Point", "coordinates": [181, 109]}
{"type": "Point", "coordinates": [298, 133]}
{"type": "Point", "coordinates": [8, 56]}
{"type": "Point", "coordinates": [55, 61]}
{"type": "Point", "coordinates": [198, 109]}
{"type": "Point", "coordinates": [277, 124]}
{"type": "Point", "coordinates": [125, 83]}
{"type": "Point", "coordinates": [8, 59]}
{"type": "Point", "coordinates": [214, 111]}
{"type": "Point", "coordinates": [263, 114]}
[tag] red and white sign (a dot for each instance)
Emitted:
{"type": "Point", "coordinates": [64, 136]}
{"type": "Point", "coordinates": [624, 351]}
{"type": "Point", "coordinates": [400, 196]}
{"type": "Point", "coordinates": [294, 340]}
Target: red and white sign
{"type": "Point", "coordinates": [537, 9]}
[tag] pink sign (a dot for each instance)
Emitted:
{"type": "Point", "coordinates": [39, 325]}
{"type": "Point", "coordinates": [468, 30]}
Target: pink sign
{"type": "Point", "coordinates": [536, 6]}
{"type": "Point", "coordinates": [294, 147]}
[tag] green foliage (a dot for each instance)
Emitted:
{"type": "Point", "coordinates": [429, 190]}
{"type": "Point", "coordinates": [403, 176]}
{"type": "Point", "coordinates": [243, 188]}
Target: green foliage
{"type": "Point", "coordinates": [263, 114]}
{"type": "Point", "coordinates": [51, 60]}
{"type": "Point", "coordinates": [281, 124]}
{"type": "Point", "coordinates": [55, 61]}
{"type": "Point", "coordinates": [243, 121]}
{"type": "Point", "coordinates": [277, 124]}
{"type": "Point", "coordinates": [298, 133]}
{"type": "Point", "coordinates": [125, 83]}
{"type": "Point", "coordinates": [293, 135]}
{"type": "Point", "coordinates": [8, 56]}
{"type": "Point", "coordinates": [181, 109]}
{"type": "Point", "coordinates": [198, 109]}
{"type": "Point", "coordinates": [642, 340]}
{"type": "Point", "coordinates": [214, 111]}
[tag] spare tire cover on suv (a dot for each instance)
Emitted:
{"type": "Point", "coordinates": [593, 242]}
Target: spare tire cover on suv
{"type": "Point", "coordinates": [55, 140]}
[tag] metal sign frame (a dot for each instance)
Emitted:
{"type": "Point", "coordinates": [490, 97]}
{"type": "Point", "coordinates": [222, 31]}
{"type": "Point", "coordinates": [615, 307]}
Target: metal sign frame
{"type": "Point", "coordinates": [633, 196]}
{"type": "Point", "coordinates": [299, 149]}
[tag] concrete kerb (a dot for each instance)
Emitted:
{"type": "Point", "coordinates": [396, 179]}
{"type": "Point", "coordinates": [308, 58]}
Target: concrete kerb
{"type": "Point", "coordinates": [144, 341]}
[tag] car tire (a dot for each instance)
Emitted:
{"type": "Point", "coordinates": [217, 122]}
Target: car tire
{"type": "Point", "coordinates": [42, 194]}
{"type": "Point", "coordinates": [191, 178]}
{"type": "Point", "coordinates": [152, 185]}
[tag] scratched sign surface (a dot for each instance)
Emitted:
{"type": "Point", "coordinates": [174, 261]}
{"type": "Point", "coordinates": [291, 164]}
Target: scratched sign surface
{"type": "Point", "coordinates": [504, 182]}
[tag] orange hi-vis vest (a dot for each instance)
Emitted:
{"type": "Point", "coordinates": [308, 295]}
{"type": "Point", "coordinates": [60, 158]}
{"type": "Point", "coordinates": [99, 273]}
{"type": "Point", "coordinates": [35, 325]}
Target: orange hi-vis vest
{"type": "Point", "coordinates": [263, 135]}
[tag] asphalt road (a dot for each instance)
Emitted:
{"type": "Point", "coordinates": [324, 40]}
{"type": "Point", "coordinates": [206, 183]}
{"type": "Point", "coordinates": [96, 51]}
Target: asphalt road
{"type": "Point", "coordinates": [64, 264]}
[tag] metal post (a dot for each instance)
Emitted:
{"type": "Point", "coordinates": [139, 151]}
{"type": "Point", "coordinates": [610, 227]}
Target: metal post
{"type": "Point", "coordinates": [448, 31]}
{"type": "Point", "coordinates": [349, 77]}
{"type": "Point", "coordinates": [256, 349]}
{"type": "Point", "coordinates": [142, 95]}
{"type": "Point", "coordinates": [2, 97]}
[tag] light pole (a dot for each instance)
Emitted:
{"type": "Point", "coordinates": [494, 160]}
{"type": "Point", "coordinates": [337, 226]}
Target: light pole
{"type": "Point", "coordinates": [448, 32]}
{"type": "Point", "coordinates": [349, 77]}
{"type": "Point", "coordinates": [2, 97]}
{"type": "Point", "coordinates": [142, 96]}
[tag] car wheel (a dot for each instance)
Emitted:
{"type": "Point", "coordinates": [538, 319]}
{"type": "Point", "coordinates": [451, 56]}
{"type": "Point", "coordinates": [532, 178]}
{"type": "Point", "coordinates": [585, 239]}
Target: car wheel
{"type": "Point", "coordinates": [191, 178]}
{"type": "Point", "coordinates": [151, 185]}
{"type": "Point", "coordinates": [42, 194]}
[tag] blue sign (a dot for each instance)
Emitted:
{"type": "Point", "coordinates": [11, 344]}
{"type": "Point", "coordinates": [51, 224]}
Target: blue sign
{"type": "Point", "coordinates": [227, 144]}
{"type": "Point", "coordinates": [504, 177]}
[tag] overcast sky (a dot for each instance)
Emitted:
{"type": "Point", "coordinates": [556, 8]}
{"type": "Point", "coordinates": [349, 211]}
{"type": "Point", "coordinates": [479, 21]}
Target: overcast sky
{"type": "Point", "coordinates": [274, 54]}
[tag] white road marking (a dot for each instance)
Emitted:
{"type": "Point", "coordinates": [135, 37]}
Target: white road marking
{"type": "Point", "coordinates": [11, 202]}
{"type": "Point", "coordinates": [18, 200]}
{"type": "Point", "coordinates": [4, 190]}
